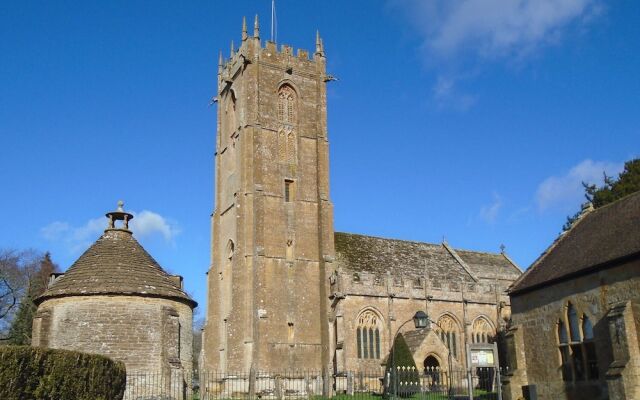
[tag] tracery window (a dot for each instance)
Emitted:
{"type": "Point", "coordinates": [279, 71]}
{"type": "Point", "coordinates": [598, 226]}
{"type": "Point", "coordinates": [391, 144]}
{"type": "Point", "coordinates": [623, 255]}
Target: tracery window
{"type": "Point", "coordinates": [481, 331]}
{"type": "Point", "coordinates": [577, 347]}
{"type": "Point", "coordinates": [368, 335]}
{"type": "Point", "coordinates": [448, 331]}
{"type": "Point", "coordinates": [287, 105]}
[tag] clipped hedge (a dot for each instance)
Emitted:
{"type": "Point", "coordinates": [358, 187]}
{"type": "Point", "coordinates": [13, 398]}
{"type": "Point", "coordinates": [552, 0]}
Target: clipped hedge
{"type": "Point", "coordinates": [35, 373]}
{"type": "Point", "coordinates": [404, 372]}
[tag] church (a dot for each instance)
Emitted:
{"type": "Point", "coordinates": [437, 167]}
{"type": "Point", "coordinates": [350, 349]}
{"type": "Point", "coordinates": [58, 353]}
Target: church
{"type": "Point", "coordinates": [285, 291]}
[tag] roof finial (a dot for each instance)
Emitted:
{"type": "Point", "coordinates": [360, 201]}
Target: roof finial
{"type": "Point", "coordinates": [502, 247]}
{"type": "Point", "coordinates": [244, 29]}
{"type": "Point", "coordinates": [256, 28]}
{"type": "Point", "coordinates": [233, 49]}
{"type": "Point", "coordinates": [119, 215]}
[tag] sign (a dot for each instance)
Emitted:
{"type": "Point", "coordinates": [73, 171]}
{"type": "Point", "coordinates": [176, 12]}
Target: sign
{"type": "Point", "coordinates": [482, 355]}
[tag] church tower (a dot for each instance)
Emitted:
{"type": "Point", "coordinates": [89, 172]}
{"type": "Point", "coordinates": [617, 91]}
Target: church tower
{"type": "Point", "coordinates": [272, 226]}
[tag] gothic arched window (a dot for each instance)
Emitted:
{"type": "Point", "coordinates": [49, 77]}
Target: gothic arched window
{"type": "Point", "coordinates": [368, 335]}
{"type": "Point", "coordinates": [448, 330]}
{"type": "Point", "coordinates": [481, 331]}
{"type": "Point", "coordinates": [287, 105]}
{"type": "Point", "coordinates": [577, 347]}
{"type": "Point", "coordinates": [230, 111]}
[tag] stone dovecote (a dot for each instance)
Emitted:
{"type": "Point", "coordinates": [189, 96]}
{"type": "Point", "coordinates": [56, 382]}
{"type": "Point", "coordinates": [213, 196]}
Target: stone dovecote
{"type": "Point", "coordinates": [117, 301]}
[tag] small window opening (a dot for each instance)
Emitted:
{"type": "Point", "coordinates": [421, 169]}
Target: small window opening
{"type": "Point", "coordinates": [288, 190]}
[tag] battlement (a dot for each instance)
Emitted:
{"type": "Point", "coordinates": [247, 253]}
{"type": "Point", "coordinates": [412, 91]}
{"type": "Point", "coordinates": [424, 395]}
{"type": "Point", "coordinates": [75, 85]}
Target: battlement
{"type": "Point", "coordinates": [407, 286]}
{"type": "Point", "coordinates": [252, 49]}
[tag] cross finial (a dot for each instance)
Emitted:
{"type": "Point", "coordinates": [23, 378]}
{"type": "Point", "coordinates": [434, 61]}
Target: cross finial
{"type": "Point", "coordinates": [502, 247]}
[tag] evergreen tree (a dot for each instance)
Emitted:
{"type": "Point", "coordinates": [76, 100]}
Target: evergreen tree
{"type": "Point", "coordinates": [401, 374]}
{"type": "Point", "coordinates": [628, 182]}
{"type": "Point", "coordinates": [38, 278]}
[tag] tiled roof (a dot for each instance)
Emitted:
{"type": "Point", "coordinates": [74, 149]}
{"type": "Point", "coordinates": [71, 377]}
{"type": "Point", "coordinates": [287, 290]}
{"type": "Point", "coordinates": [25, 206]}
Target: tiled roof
{"type": "Point", "coordinates": [116, 264]}
{"type": "Point", "coordinates": [489, 265]}
{"type": "Point", "coordinates": [602, 236]}
{"type": "Point", "coordinates": [378, 255]}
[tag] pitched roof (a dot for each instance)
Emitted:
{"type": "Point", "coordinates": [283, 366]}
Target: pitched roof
{"type": "Point", "coordinates": [489, 265]}
{"type": "Point", "coordinates": [379, 255]}
{"type": "Point", "coordinates": [116, 264]}
{"type": "Point", "coordinates": [598, 238]}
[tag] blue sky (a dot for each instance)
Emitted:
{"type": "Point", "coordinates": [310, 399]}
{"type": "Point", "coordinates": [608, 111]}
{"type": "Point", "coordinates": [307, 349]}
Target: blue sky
{"type": "Point", "coordinates": [470, 120]}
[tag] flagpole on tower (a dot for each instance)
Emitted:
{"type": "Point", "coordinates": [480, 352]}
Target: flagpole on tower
{"type": "Point", "coordinates": [274, 22]}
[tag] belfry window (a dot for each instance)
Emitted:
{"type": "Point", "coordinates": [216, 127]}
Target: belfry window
{"type": "Point", "coordinates": [577, 347]}
{"type": "Point", "coordinates": [368, 335]}
{"type": "Point", "coordinates": [287, 105]}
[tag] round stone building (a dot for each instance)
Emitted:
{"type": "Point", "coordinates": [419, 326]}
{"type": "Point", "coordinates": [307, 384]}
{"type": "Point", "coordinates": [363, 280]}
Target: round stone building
{"type": "Point", "coordinates": [116, 300]}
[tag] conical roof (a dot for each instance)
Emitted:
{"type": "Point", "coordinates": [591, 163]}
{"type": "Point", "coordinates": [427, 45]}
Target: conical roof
{"type": "Point", "coordinates": [116, 264]}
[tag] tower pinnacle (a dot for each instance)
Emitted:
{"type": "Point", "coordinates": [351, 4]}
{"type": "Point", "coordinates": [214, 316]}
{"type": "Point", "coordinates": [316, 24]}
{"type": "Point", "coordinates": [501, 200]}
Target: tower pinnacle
{"type": "Point", "coordinates": [256, 28]}
{"type": "Point", "coordinates": [319, 46]}
{"type": "Point", "coordinates": [244, 29]}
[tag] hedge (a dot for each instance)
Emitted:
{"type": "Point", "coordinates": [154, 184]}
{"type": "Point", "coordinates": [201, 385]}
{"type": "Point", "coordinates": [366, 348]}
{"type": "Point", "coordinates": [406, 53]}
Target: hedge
{"type": "Point", "coordinates": [35, 373]}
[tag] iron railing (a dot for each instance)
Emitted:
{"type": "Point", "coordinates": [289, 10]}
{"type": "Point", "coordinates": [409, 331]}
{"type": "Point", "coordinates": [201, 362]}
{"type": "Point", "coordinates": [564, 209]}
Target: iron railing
{"type": "Point", "coordinates": [424, 384]}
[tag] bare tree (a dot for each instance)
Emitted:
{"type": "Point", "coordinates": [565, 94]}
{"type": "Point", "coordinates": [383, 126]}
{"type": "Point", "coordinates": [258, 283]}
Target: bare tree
{"type": "Point", "coordinates": [23, 276]}
{"type": "Point", "coordinates": [11, 283]}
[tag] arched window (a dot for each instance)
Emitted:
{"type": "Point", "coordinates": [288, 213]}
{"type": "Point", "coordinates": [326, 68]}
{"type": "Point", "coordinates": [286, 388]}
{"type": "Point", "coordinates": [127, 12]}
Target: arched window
{"type": "Point", "coordinates": [368, 335]}
{"type": "Point", "coordinates": [574, 325]}
{"type": "Point", "coordinates": [287, 145]}
{"type": "Point", "coordinates": [448, 330]}
{"type": "Point", "coordinates": [230, 249]}
{"type": "Point", "coordinates": [287, 105]}
{"type": "Point", "coordinates": [482, 331]}
{"type": "Point", "coordinates": [230, 111]}
{"type": "Point", "coordinates": [577, 347]}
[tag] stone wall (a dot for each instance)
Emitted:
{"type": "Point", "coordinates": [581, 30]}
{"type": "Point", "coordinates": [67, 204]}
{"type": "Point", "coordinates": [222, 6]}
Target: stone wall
{"type": "Point", "coordinates": [395, 302]}
{"type": "Point", "coordinates": [147, 334]}
{"type": "Point", "coordinates": [536, 315]}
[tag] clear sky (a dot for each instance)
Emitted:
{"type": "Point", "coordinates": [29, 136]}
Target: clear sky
{"type": "Point", "coordinates": [472, 120]}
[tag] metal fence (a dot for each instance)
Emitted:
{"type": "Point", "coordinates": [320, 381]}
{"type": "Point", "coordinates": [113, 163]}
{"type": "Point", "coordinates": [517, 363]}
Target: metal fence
{"type": "Point", "coordinates": [424, 384]}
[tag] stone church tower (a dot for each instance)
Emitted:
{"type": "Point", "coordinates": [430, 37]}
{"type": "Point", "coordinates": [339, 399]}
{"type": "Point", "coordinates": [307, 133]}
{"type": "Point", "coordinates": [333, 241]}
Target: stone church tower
{"type": "Point", "coordinates": [272, 244]}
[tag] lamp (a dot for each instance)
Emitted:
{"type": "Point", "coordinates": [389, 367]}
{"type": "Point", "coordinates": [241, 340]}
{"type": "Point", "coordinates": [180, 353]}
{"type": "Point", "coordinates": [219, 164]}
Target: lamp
{"type": "Point", "coordinates": [421, 319]}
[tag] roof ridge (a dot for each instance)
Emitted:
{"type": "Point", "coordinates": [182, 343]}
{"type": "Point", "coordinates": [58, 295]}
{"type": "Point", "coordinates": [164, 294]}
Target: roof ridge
{"type": "Point", "coordinates": [385, 238]}
{"type": "Point", "coordinates": [561, 237]}
{"type": "Point", "coordinates": [598, 213]}
{"type": "Point", "coordinates": [479, 252]}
